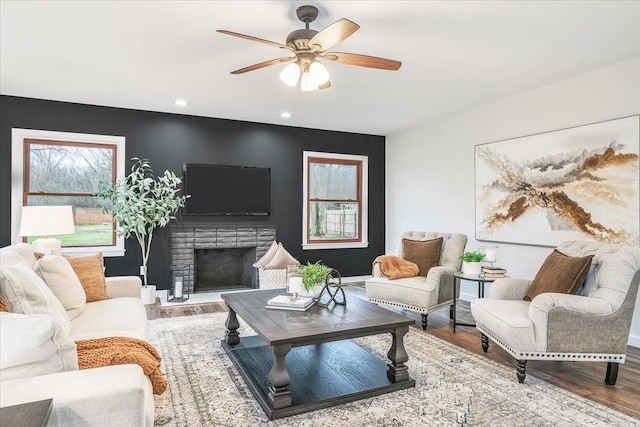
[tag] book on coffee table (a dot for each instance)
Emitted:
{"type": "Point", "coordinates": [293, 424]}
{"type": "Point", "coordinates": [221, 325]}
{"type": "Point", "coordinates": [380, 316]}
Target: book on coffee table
{"type": "Point", "coordinates": [285, 302]}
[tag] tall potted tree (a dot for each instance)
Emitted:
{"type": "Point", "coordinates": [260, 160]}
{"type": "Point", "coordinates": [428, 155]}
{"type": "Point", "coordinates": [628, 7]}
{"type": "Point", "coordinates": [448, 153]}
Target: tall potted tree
{"type": "Point", "coordinates": [140, 203]}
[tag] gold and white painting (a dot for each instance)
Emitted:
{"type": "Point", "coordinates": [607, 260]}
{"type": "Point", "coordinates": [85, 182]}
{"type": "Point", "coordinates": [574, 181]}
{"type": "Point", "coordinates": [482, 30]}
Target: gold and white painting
{"type": "Point", "coordinates": [581, 183]}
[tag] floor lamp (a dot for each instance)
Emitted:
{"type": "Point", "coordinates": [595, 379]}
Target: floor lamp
{"type": "Point", "coordinates": [47, 221]}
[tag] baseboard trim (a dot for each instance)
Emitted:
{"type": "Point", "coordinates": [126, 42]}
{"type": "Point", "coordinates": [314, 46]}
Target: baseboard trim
{"type": "Point", "coordinates": [355, 279]}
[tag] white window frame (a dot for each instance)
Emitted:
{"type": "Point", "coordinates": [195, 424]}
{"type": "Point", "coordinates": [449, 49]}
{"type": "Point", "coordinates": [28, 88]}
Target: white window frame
{"type": "Point", "coordinates": [17, 175]}
{"type": "Point", "coordinates": [364, 238]}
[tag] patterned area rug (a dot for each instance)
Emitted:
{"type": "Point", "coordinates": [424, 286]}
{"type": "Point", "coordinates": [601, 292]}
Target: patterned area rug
{"type": "Point", "coordinates": [453, 387]}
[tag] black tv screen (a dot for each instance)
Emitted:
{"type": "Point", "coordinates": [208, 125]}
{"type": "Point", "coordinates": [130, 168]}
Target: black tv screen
{"type": "Point", "coordinates": [226, 190]}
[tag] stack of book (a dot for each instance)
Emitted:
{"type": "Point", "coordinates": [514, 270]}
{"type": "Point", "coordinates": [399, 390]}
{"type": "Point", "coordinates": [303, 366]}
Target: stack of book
{"type": "Point", "coordinates": [494, 272]}
{"type": "Point", "coordinates": [286, 302]}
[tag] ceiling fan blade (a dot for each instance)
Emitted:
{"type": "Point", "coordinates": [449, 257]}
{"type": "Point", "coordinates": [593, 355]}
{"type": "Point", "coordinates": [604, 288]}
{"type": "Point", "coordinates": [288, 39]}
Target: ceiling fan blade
{"type": "Point", "coordinates": [362, 60]}
{"type": "Point", "coordinates": [262, 65]}
{"type": "Point", "coordinates": [332, 35]}
{"type": "Point", "coordinates": [255, 39]}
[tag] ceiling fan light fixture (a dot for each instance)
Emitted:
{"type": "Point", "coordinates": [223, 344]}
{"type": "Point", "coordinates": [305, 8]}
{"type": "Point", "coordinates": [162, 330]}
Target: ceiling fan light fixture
{"type": "Point", "coordinates": [290, 74]}
{"type": "Point", "coordinates": [306, 83]}
{"type": "Point", "coordinates": [319, 74]}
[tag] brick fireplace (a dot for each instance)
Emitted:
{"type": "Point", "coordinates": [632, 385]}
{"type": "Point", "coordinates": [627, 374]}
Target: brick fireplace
{"type": "Point", "coordinates": [219, 257]}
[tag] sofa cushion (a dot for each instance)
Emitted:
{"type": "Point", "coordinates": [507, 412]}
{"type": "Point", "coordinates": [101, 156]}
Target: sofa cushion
{"type": "Point", "coordinates": [21, 253]}
{"type": "Point", "coordinates": [25, 292]}
{"type": "Point", "coordinates": [90, 271]}
{"type": "Point", "coordinates": [281, 259]}
{"type": "Point", "coordinates": [559, 273]}
{"type": "Point", "coordinates": [33, 345]}
{"type": "Point", "coordinates": [267, 257]}
{"type": "Point", "coordinates": [424, 253]}
{"type": "Point", "coordinates": [56, 271]}
{"type": "Point", "coordinates": [126, 317]}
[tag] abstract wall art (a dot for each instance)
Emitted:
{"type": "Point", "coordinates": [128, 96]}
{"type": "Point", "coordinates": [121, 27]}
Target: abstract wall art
{"type": "Point", "coordinates": [581, 183]}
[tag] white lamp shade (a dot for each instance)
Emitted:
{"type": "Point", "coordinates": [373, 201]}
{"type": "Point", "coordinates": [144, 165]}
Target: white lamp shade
{"type": "Point", "coordinates": [491, 254]}
{"type": "Point", "coordinates": [319, 74]}
{"type": "Point", "coordinates": [46, 221]}
{"type": "Point", "coordinates": [290, 74]}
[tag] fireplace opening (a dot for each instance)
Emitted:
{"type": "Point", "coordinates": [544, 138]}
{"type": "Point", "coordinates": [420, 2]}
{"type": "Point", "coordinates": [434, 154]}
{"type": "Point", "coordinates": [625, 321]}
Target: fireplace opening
{"type": "Point", "coordinates": [224, 269]}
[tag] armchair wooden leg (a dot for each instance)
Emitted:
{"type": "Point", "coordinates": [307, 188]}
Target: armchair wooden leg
{"type": "Point", "coordinates": [612, 373]}
{"type": "Point", "coordinates": [485, 342]}
{"type": "Point", "coordinates": [522, 371]}
{"type": "Point", "coordinates": [424, 322]}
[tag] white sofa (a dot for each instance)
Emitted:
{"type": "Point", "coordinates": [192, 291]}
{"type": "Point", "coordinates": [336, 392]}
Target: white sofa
{"type": "Point", "coordinates": [37, 352]}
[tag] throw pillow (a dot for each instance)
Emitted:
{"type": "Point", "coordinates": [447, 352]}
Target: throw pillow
{"type": "Point", "coordinates": [559, 273]}
{"type": "Point", "coordinates": [56, 271]}
{"type": "Point", "coordinates": [3, 305]}
{"type": "Point", "coordinates": [424, 253]}
{"type": "Point", "coordinates": [90, 271]}
{"type": "Point", "coordinates": [267, 257]}
{"type": "Point", "coordinates": [281, 259]}
{"type": "Point", "coordinates": [20, 253]}
{"type": "Point", "coordinates": [26, 293]}
{"type": "Point", "coordinates": [33, 345]}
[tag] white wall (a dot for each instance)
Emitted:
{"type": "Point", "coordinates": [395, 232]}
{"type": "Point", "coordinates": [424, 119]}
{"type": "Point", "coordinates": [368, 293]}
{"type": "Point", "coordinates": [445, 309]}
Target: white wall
{"type": "Point", "coordinates": [430, 167]}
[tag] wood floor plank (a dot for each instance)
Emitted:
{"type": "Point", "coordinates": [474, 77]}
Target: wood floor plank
{"type": "Point", "coordinates": [581, 378]}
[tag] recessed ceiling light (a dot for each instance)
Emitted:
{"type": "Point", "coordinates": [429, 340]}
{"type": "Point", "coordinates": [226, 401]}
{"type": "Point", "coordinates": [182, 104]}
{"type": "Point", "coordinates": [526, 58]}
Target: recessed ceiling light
{"type": "Point", "coordinates": [285, 115]}
{"type": "Point", "coordinates": [181, 102]}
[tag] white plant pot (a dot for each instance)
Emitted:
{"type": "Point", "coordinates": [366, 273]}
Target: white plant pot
{"type": "Point", "coordinates": [472, 268]}
{"type": "Point", "coordinates": [148, 294]}
{"type": "Point", "coordinates": [315, 292]}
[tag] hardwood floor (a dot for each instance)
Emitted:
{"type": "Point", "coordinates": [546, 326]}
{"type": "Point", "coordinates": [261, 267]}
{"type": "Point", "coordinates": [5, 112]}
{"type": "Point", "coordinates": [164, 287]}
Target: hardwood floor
{"type": "Point", "coordinates": [582, 378]}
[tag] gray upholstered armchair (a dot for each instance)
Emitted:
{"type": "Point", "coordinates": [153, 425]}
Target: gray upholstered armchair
{"type": "Point", "coordinates": [592, 326]}
{"type": "Point", "coordinates": [421, 294]}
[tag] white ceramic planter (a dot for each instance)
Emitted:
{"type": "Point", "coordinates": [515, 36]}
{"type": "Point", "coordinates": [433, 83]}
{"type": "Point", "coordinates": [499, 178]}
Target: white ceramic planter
{"type": "Point", "coordinates": [148, 294]}
{"type": "Point", "coordinates": [315, 292]}
{"type": "Point", "coordinates": [471, 268]}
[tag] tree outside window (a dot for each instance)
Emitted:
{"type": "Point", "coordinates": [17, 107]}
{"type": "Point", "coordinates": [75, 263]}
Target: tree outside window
{"type": "Point", "coordinates": [335, 200]}
{"type": "Point", "coordinates": [59, 168]}
{"type": "Point", "coordinates": [68, 173]}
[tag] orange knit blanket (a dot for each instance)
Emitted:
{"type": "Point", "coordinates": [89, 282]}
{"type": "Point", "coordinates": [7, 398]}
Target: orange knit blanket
{"type": "Point", "coordinates": [394, 267]}
{"type": "Point", "coordinates": [108, 351]}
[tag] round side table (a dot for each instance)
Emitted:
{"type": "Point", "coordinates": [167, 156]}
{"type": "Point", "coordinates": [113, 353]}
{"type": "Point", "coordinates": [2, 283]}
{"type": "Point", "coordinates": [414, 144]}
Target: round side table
{"type": "Point", "coordinates": [459, 277]}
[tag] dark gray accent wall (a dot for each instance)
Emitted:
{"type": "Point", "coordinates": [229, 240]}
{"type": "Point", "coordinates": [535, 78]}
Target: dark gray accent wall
{"type": "Point", "coordinates": [169, 140]}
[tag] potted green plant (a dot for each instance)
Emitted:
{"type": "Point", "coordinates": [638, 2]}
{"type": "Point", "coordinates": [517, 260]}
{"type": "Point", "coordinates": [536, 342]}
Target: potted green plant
{"type": "Point", "coordinates": [472, 262]}
{"type": "Point", "coordinates": [140, 203]}
{"type": "Point", "coordinates": [313, 277]}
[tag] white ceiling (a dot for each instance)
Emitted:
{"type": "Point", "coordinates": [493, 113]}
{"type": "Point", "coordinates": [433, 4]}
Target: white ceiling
{"type": "Point", "coordinates": [455, 55]}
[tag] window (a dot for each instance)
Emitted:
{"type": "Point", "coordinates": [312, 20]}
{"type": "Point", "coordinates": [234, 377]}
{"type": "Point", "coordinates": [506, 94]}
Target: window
{"type": "Point", "coordinates": [335, 201]}
{"type": "Point", "coordinates": [58, 168]}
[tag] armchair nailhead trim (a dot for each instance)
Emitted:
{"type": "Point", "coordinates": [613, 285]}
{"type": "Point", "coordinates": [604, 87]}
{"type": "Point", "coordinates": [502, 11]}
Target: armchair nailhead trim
{"type": "Point", "coordinates": [543, 355]}
{"type": "Point", "coordinates": [411, 307]}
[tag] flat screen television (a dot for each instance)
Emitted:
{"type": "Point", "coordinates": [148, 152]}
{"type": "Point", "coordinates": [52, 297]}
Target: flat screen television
{"type": "Point", "coordinates": [226, 190]}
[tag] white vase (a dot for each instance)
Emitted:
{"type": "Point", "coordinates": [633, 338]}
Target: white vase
{"type": "Point", "coordinates": [148, 294]}
{"type": "Point", "coordinates": [471, 268]}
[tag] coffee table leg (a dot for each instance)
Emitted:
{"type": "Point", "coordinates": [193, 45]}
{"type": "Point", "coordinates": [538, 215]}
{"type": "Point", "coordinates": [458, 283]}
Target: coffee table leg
{"type": "Point", "coordinates": [232, 324]}
{"type": "Point", "coordinates": [279, 393]}
{"type": "Point", "coordinates": [397, 370]}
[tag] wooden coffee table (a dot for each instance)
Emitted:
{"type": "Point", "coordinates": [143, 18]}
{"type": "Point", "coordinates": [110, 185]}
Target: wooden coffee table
{"type": "Point", "coordinates": [303, 361]}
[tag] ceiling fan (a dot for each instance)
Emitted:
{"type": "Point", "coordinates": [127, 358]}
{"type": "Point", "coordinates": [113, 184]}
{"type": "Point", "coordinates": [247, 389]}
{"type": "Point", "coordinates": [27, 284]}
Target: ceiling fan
{"type": "Point", "coordinates": [308, 46]}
